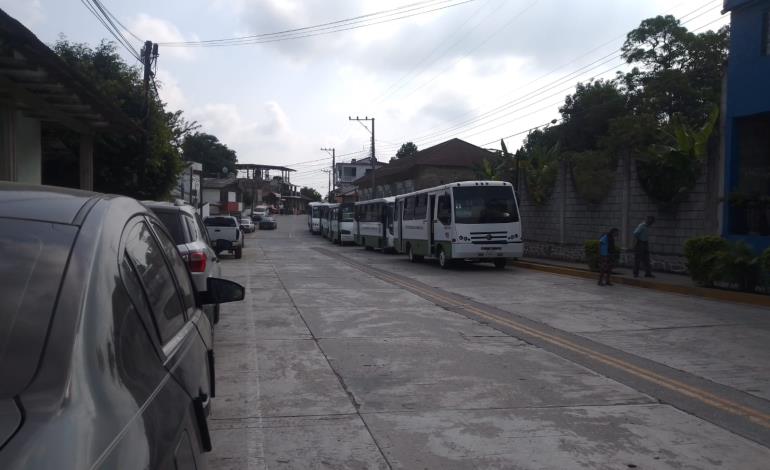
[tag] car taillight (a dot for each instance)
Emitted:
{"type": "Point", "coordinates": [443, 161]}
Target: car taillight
{"type": "Point", "coordinates": [196, 261]}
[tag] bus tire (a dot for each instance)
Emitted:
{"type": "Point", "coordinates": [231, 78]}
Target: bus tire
{"type": "Point", "coordinates": [443, 260]}
{"type": "Point", "coordinates": [500, 263]}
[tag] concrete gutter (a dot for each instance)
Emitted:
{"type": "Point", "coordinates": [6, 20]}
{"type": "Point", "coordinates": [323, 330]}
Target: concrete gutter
{"type": "Point", "coordinates": [714, 294]}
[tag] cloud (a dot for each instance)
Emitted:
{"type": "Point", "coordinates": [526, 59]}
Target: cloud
{"type": "Point", "coordinates": [28, 12]}
{"type": "Point", "coordinates": [249, 136]}
{"type": "Point", "coordinates": [159, 30]}
{"type": "Point", "coordinates": [170, 91]}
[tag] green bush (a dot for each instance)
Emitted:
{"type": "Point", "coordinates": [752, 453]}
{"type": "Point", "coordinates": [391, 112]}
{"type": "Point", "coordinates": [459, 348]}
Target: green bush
{"type": "Point", "coordinates": [593, 173]}
{"type": "Point", "coordinates": [738, 266]}
{"type": "Point", "coordinates": [701, 261]}
{"type": "Point", "coordinates": [591, 250]}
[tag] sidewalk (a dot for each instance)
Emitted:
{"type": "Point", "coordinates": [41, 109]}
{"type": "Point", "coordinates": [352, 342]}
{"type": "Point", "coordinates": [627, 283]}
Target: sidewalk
{"type": "Point", "coordinates": [666, 282]}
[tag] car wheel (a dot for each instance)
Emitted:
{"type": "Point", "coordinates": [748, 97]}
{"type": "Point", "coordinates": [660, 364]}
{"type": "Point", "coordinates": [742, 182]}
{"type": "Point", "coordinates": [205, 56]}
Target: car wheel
{"type": "Point", "coordinates": [443, 259]}
{"type": "Point", "coordinates": [500, 263]}
{"type": "Point", "coordinates": [238, 253]}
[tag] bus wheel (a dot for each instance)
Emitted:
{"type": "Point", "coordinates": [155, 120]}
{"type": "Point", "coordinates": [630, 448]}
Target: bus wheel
{"type": "Point", "coordinates": [414, 258]}
{"type": "Point", "coordinates": [443, 260]}
{"type": "Point", "coordinates": [500, 263]}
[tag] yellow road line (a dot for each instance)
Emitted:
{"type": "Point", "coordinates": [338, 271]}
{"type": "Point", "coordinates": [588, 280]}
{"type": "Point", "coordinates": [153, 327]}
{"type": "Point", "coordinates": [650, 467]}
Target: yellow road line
{"type": "Point", "coordinates": [709, 398]}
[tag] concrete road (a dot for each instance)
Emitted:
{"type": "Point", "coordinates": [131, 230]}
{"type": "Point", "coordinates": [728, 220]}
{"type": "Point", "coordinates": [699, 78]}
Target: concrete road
{"type": "Point", "coordinates": [344, 358]}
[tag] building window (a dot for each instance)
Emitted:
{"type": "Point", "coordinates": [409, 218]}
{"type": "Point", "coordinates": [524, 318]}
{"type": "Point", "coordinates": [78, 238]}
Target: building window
{"type": "Point", "coordinates": [349, 171]}
{"type": "Point", "coordinates": [750, 213]}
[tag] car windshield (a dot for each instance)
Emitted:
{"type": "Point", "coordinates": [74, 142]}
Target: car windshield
{"type": "Point", "coordinates": [220, 222]}
{"type": "Point", "coordinates": [484, 205]}
{"type": "Point", "coordinates": [347, 213]}
{"type": "Point", "coordinates": [245, 221]}
{"type": "Point", "coordinates": [173, 223]}
{"type": "Point", "coordinates": [34, 256]}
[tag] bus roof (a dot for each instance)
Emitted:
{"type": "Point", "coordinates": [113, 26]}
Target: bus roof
{"type": "Point", "coordinates": [382, 199]}
{"type": "Point", "coordinates": [459, 184]}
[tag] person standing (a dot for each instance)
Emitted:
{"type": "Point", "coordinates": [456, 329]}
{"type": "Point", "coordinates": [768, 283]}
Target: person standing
{"type": "Point", "coordinates": [606, 249]}
{"type": "Point", "coordinates": [642, 247]}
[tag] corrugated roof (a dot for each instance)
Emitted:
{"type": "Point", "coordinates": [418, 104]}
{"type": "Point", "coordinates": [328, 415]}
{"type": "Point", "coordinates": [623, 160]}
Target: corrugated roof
{"type": "Point", "coordinates": [40, 83]}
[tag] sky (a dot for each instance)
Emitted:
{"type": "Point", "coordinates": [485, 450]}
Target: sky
{"type": "Point", "coordinates": [478, 70]}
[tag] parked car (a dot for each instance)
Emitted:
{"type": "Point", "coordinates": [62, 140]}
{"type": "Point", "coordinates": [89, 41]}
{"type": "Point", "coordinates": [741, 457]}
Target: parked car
{"type": "Point", "coordinates": [259, 212]}
{"type": "Point", "coordinates": [248, 226]}
{"type": "Point", "coordinates": [268, 223]}
{"type": "Point", "coordinates": [225, 234]}
{"type": "Point", "coordinates": [192, 241]}
{"type": "Point", "coordinates": [106, 355]}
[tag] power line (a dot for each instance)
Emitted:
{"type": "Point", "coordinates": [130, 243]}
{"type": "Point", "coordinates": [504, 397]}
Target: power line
{"type": "Point", "coordinates": [571, 76]}
{"type": "Point", "coordinates": [320, 30]}
{"type": "Point", "coordinates": [422, 65]}
{"type": "Point", "coordinates": [100, 12]}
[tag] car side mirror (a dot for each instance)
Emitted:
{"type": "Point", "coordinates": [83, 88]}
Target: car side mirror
{"type": "Point", "coordinates": [221, 291]}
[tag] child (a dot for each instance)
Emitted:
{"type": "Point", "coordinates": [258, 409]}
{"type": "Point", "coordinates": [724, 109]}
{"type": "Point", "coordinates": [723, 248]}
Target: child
{"type": "Point", "coordinates": [606, 248]}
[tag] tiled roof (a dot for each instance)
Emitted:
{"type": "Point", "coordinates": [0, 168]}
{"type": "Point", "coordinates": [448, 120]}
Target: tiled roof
{"type": "Point", "coordinates": [452, 153]}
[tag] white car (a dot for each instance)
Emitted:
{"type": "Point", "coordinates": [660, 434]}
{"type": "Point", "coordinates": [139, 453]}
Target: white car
{"type": "Point", "coordinates": [192, 241]}
{"type": "Point", "coordinates": [248, 226]}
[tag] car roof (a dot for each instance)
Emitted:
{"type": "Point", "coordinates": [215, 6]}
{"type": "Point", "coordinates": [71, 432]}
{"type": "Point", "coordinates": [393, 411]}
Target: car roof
{"type": "Point", "coordinates": [45, 203]}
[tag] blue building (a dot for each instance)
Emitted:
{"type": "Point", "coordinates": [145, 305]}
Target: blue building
{"type": "Point", "coordinates": [747, 124]}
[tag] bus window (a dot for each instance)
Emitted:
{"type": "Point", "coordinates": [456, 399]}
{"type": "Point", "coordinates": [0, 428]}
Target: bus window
{"type": "Point", "coordinates": [484, 205]}
{"type": "Point", "coordinates": [346, 214]}
{"type": "Point", "coordinates": [444, 209]}
{"type": "Point", "coordinates": [421, 209]}
{"type": "Point", "coordinates": [409, 208]}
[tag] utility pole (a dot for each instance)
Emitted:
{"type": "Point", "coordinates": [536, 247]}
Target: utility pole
{"type": "Point", "coordinates": [328, 197]}
{"type": "Point", "coordinates": [374, 159]}
{"type": "Point", "coordinates": [334, 169]}
{"type": "Point", "coordinates": [149, 53]}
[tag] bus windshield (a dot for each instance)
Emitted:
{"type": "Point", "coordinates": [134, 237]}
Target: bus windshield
{"type": "Point", "coordinates": [316, 212]}
{"type": "Point", "coordinates": [485, 205]}
{"type": "Point", "coordinates": [347, 213]}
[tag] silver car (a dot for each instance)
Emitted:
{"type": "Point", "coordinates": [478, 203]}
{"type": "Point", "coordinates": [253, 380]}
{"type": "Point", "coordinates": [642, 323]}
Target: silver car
{"type": "Point", "coordinates": [192, 241]}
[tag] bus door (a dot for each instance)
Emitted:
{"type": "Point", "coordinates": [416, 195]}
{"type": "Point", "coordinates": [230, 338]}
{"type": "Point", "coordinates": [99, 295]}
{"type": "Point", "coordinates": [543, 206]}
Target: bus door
{"type": "Point", "coordinates": [400, 222]}
{"type": "Point", "coordinates": [443, 219]}
{"type": "Point", "coordinates": [388, 220]}
{"type": "Point", "coordinates": [431, 223]}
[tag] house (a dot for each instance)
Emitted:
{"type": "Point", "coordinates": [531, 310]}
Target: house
{"type": "Point", "coordinates": [39, 91]}
{"type": "Point", "coordinates": [188, 186]}
{"type": "Point", "coordinates": [747, 124]}
{"type": "Point", "coordinates": [224, 196]}
{"type": "Point", "coordinates": [347, 173]}
{"type": "Point", "coordinates": [447, 162]}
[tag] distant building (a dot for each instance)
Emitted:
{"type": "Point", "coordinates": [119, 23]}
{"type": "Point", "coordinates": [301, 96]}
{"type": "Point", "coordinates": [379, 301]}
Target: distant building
{"type": "Point", "coordinates": [447, 162]}
{"type": "Point", "coordinates": [747, 124]}
{"type": "Point", "coordinates": [188, 186]}
{"type": "Point", "coordinates": [347, 173]}
{"type": "Point", "coordinates": [39, 91]}
{"type": "Point", "coordinates": [223, 195]}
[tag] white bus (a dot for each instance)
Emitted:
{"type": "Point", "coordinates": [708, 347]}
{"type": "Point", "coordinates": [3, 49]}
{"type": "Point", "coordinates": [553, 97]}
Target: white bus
{"type": "Point", "coordinates": [374, 224]}
{"type": "Point", "coordinates": [314, 217]}
{"type": "Point", "coordinates": [341, 224]}
{"type": "Point", "coordinates": [327, 218]}
{"type": "Point", "coordinates": [470, 220]}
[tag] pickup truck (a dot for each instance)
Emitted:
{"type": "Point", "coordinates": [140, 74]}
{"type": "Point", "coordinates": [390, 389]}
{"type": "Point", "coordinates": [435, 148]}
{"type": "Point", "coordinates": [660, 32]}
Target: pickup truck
{"type": "Point", "coordinates": [225, 234]}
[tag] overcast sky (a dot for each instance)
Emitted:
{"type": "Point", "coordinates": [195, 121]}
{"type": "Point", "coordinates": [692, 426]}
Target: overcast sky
{"type": "Point", "coordinates": [427, 78]}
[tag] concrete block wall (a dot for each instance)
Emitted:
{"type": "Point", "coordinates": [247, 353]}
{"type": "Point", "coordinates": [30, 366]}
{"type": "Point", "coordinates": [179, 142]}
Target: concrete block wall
{"type": "Point", "coordinates": [559, 228]}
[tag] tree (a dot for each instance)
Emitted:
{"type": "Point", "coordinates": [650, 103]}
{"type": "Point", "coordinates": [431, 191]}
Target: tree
{"type": "Point", "coordinates": [409, 149]}
{"type": "Point", "coordinates": [122, 164]}
{"type": "Point", "coordinates": [310, 193]}
{"type": "Point", "coordinates": [586, 114]}
{"type": "Point", "coordinates": [210, 152]}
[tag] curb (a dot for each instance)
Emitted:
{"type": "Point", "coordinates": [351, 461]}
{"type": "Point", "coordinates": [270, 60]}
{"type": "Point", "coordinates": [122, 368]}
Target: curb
{"type": "Point", "coordinates": [713, 294]}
